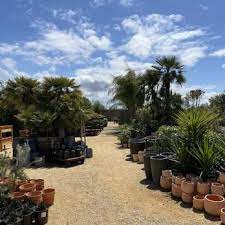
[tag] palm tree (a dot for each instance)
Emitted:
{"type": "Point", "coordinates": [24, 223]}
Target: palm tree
{"type": "Point", "coordinates": [21, 91]}
{"type": "Point", "coordinates": [127, 92]}
{"type": "Point", "coordinates": [171, 71]}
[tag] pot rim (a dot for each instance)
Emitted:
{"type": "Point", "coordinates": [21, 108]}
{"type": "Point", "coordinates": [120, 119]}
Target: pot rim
{"type": "Point", "coordinates": [33, 194]}
{"type": "Point", "coordinates": [158, 157]}
{"type": "Point", "coordinates": [216, 196]}
{"type": "Point", "coordinates": [199, 197]}
{"type": "Point", "coordinates": [48, 190]}
{"type": "Point", "coordinates": [217, 184]}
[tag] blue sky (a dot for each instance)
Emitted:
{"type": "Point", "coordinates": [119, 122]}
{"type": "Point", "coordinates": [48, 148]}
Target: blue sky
{"type": "Point", "coordinates": [94, 40]}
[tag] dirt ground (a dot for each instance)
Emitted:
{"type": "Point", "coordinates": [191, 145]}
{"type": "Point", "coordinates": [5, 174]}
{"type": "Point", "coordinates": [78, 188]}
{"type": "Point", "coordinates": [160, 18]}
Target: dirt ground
{"type": "Point", "coordinates": [111, 190]}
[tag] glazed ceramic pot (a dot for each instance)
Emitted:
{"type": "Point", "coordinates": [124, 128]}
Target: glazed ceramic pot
{"type": "Point", "coordinates": [213, 204]}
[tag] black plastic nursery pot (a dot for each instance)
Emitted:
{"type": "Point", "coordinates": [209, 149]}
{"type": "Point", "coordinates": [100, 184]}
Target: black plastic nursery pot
{"type": "Point", "coordinates": [136, 145]}
{"type": "Point", "coordinates": [41, 217]}
{"type": "Point", "coordinates": [28, 219]}
{"type": "Point", "coordinates": [158, 163]}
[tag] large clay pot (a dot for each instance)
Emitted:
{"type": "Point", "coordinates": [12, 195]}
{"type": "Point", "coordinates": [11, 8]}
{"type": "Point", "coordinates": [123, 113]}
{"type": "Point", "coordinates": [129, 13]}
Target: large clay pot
{"type": "Point", "coordinates": [166, 182]}
{"type": "Point", "coordinates": [203, 188]}
{"type": "Point", "coordinates": [187, 187]}
{"type": "Point", "coordinates": [27, 187]}
{"type": "Point", "coordinates": [187, 197]}
{"type": "Point", "coordinates": [35, 197]}
{"type": "Point", "coordinates": [222, 178]}
{"type": "Point", "coordinates": [135, 157]}
{"type": "Point", "coordinates": [217, 189]}
{"type": "Point", "coordinates": [167, 173]}
{"type": "Point", "coordinates": [178, 179]}
{"type": "Point", "coordinates": [222, 215]}
{"type": "Point", "coordinates": [213, 204]}
{"type": "Point", "coordinates": [39, 183]}
{"type": "Point", "coordinates": [158, 164]}
{"type": "Point", "coordinates": [141, 156]}
{"type": "Point", "coordinates": [48, 196]}
{"type": "Point", "coordinates": [176, 190]}
{"type": "Point", "coordinates": [198, 202]}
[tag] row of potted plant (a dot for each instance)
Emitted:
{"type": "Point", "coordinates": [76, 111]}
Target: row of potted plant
{"type": "Point", "coordinates": [206, 196]}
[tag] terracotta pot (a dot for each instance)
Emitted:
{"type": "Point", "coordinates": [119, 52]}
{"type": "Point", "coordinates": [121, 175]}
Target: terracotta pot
{"type": "Point", "coordinates": [222, 215]}
{"type": "Point", "coordinates": [187, 187]}
{"type": "Point", "coordinates": [18, 195]}
{"type": "Point", "coordinates": [27, 187]}
{"type": "Point", "coordinates": [213, 204]}
{"type": "Point", "coordinates": [179, 179]}
{"type": "Point", "coordinates": [141, 156]}
{"type": "Point", "coordinates": [35, 197]}
{"type": "Point", "coordinates": [19, 183]}
{"type": "Point", "coordinates": [203, 188]}
{"type": "Point", "coordinates": [222, 178]}
{"type": "Point", "coordinates": [166, 182]}
{"type": "Point", "coordinates": [167, 173]}
{"type": "Point", "coordinates": [48, 196]}
{"type": "Point", "coordinates": [39, 184]}
{"type": "Point", "coordinates": [135, 157]}
{"type": "Point", "coordinates": [198, 202]}
{"type": "Point", "coordinates": [187, 197]}
{"type": "Point", "coordinates": [176, 190]}
{"type": "Point", "coordinates": [217, 189]}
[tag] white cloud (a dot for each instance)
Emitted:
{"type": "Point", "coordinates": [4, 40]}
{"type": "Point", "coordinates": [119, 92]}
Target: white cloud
{"type": "Point", "coordinates": [66, 15]}
{"type": "Point", "coordinates": [219, 53]}
{"type": "Point", "coordinates": [126, 3]}
{"type": "Point", "coordinates": [156, 35]}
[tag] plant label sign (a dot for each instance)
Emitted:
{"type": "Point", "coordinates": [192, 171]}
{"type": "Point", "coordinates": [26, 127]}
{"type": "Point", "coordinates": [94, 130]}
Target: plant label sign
{"type": "Point", "coordinates": [43, 214]}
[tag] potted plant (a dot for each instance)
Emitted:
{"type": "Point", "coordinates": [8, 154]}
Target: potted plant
{"type": "Point", "coordinates": [28, 213]}
{"type": "Point", "coordinates": [41, 214]}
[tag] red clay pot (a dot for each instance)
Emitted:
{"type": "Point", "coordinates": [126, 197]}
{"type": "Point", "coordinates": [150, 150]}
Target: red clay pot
{"type": "Point", "coordinates": [176, 190]}
{"type": "Point", "coordinates": [179, 179]}
{"type": "Point", "coordinates": [203, 188]}
{"type": "Point", "coordinates": [29, 187]}
{"type": "Point", "coordinates": [187, 187]}
{"type": "Point", "coordinates": [166, 182]}
{"type": "Point", "coordinates": [187, 197]}
{"type": "Point", "coordinates": [35, 196]}
{"type": "Point", "coordinates": [39, 184]}
{"type": "Point", "coordinates": [48, 196]}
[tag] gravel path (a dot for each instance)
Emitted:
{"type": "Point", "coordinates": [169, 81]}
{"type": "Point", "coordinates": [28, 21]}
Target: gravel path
{"type": "Point", "coordinates": [109, 190]}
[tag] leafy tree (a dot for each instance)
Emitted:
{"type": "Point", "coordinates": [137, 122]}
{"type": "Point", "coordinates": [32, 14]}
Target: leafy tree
{"type": "Point", "coordinates": [193, 98]}
{"type": "Point", "coordinates": [98, 107]}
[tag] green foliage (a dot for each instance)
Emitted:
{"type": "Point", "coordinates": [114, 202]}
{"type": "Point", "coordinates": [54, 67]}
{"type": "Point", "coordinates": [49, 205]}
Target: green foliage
{"type": "Point", "coordinates": [98, 107]}
{"type": "Point", "coordinates": [124, 134]}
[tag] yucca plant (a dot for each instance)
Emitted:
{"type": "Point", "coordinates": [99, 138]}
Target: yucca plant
{"type": "Point", "coordinates": [207, 158]}
{"type": "Point", "coordinates": [195, 123]}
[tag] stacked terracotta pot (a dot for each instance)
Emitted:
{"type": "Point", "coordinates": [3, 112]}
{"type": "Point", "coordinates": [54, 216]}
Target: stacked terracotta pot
{"type": "Point", "coordinates": [34, 190]}
{"type": "Point", "coordinates": [187, 191]}
{"type": "Point", "coordinates": [166, 180]}
{"type": "Point", "coordinates": [176, 186]}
